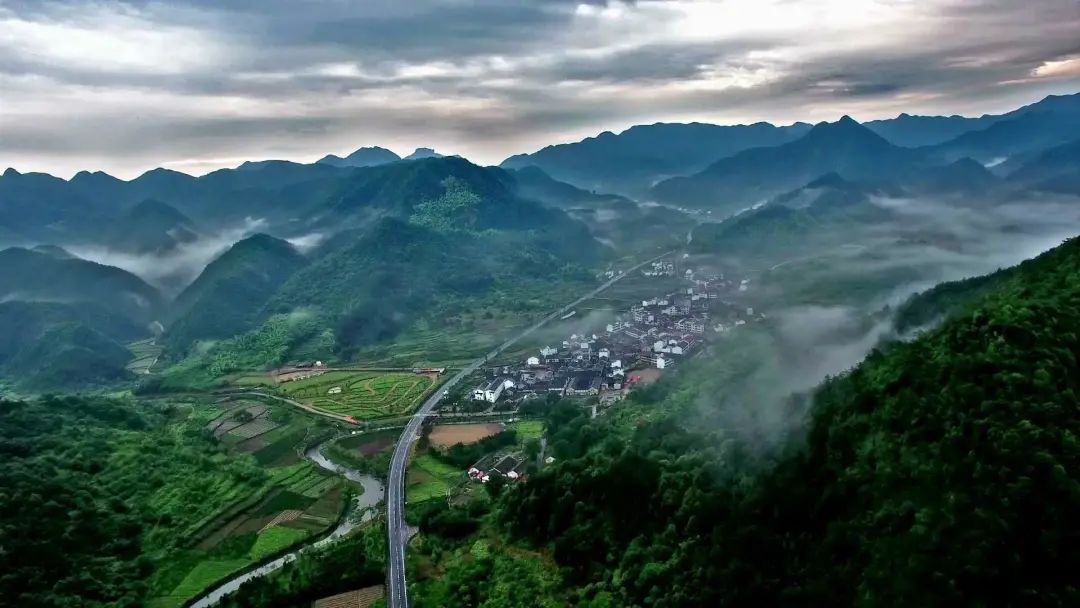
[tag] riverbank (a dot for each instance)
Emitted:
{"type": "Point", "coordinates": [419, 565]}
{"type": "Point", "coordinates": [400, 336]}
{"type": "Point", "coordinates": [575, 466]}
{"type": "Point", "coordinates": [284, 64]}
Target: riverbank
{"type": "Point", "coordinates": [360, 512]}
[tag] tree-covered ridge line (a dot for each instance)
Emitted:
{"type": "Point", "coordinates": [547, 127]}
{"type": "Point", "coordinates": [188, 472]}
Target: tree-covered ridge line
{"type": "Point", "coordinates": [1057, 269]}
{"type": "Point", "coordinates": [941, 471]}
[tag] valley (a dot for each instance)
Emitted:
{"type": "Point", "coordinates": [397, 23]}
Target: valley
{"type": "Point", "coordinates": [685, 364]}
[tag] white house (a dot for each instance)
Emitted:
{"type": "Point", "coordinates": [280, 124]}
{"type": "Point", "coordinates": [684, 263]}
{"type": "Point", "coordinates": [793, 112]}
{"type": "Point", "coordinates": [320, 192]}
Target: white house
{"type": "Point", "coordinates": [660, 363]}
{"type": "Point", "coordinates": [604, 353]}
{"type": "Point", "coordinates": [492, 390]}
{"type": "Point", "coordinates": [548, 351]}
{"type": "Point", "coordinates": [533, 361]}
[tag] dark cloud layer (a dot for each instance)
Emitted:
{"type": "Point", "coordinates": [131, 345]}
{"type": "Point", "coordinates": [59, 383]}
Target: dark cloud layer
{"type": "Point", "coordinates": [200, 84]}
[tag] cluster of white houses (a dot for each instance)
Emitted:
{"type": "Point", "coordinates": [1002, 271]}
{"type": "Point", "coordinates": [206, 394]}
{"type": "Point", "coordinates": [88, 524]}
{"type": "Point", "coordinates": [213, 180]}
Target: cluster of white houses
{"type": "Point", "coordinates": [657, 333]}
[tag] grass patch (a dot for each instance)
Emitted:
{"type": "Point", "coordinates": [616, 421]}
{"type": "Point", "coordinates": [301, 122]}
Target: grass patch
{"type": "Point", "coordinates": [436, 467]}
{"type": "Point", "coordinates": [528, 429]}
{"type": "Point", "coordinates": [430, 478]}
{"type": "Point", "coordinates": [275, 540]}
{"type": "Point", "coordinates": [427, 490]}
{"type": "Point", "coordinates": [203, 575]}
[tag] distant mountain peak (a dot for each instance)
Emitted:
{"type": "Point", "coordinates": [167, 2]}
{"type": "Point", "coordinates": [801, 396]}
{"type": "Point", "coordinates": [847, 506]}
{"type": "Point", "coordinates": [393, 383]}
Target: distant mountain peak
{"type": "Point", "coordinates": [846, 128]}
{"type": "Point", "coordinates": [163, 172]}
{"type": "Point", "coordinates": [423, 153]}
{"type": "Point", "coordinates": [11, 172]}
{"type": "Point", "coordinates": [93, 176]}
{"type": "Point", "coordinates": [367, 156]}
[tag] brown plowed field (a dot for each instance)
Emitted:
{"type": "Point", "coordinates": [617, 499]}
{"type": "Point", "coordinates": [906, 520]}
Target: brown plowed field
{"type": "Point", "coordinates": [446, 435]}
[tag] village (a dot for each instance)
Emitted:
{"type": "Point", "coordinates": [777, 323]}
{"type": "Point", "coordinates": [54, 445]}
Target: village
{"type": "Point", "coordinates": [654, 335]}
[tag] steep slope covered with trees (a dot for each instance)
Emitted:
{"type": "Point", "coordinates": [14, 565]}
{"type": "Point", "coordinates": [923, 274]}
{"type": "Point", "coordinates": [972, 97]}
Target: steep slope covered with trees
{"type": "Point", "coordinates": [97, 493]}
{"type": "Point", "coordinates": [228, 295]}
{"type": "Point", "coordinates": [941, 471]}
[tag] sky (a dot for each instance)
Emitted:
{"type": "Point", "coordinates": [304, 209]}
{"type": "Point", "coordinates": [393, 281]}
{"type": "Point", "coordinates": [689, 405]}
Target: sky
{"type": "Point", "coordinates": [196, 85]}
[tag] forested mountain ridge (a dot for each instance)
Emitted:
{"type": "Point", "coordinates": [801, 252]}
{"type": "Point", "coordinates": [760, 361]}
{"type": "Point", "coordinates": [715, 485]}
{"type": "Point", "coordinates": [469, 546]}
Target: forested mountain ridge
{"type": "Point", "coordinates": [227, 296]}
{"type": "Point", "coordinates": [736, 182]}
{"type": "Point", "coordinates": [941, 471]}
{"type": "Point", "coordinates": [50, 345]}
{"type": "Point", "coordinates": [151, 227]}
{"type": "Point", "coordinates": [363, 157]}
{"type": "Point", "coordinates": [631, 161]}
{"type": "Point", "coordinates": [36, 276]}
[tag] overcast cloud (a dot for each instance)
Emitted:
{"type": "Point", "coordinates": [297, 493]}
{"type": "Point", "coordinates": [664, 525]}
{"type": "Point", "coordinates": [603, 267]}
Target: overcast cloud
{"type": "Point", "coordinates": [199, 84]}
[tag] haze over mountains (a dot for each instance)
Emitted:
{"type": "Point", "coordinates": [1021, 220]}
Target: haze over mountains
{"type": "Point", "coordinates": [206, 258]}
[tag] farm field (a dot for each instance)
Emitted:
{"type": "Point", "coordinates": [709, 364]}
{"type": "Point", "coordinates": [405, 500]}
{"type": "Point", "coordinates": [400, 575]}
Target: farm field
{"type": "Point", "coordinates": [370, 444]}
{"type": "Point", "coordinates": [528, 429]}
{"type": "Point", "coordinates": [362, 395]}
{"type": "Point", "coordinates": [294, 501]}
{"type": "Point", "coordinates": [429, 478]}
{"type": "Point", "coordinates": [145, 353]}
{"type": "Point", "coordinates": [446, 435]}
{"type": "Point", "coordinates": [361, 598]}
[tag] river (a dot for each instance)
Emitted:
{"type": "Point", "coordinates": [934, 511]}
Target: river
{"type": "Point", "coordinates": [372, 495]}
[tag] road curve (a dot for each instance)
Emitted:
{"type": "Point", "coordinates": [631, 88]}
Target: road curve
{"type": "Point", "coordinates": [395, 489]}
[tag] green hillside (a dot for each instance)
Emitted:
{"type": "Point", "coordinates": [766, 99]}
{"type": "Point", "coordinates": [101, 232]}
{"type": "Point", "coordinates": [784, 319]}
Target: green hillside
{"type": "Point", "coordinates": [939, 472]}
{"type": "Point", "coordinates": [388, 275]}
{"type": "Point", "coordinates": [48, 345]}
{"type": "Point", "coordinates": [150, 227]}
{"type": "Point", "coordinates": [35, 276]}
{"type": "Point", "coordinates": [226, 298]}
{"type": "Point", "coordinates": [65, 320]}
{"type": "Point", "coordinates": [826, 212]}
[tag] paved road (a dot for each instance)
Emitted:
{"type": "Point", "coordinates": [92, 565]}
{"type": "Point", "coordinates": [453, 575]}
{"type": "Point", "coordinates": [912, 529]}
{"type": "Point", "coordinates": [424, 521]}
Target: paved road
{"type": "Point", "coordinates": [395, 497]}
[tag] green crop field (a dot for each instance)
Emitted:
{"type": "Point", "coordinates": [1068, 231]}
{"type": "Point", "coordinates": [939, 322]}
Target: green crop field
{"type": "Point", "coordinates": [429, 478]}
{"type": "Point", "coordinates": [528, 429]}
{"type": "Point", "coordinates": [274, 540]}
{"type": "Point", "coordinates": [199, 578]}
{"type": "Point", "coordinates": [363, 395]}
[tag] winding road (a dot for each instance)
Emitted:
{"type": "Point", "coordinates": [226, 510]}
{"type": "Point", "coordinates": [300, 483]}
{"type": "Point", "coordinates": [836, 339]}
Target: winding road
{"type": "Point", "coordinates": [397, 532]}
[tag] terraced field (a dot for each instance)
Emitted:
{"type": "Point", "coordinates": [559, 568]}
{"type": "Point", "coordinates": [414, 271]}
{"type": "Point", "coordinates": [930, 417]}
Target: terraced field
{"type": "Point", "coordinates": [144, 354]}
{"type": "Point", "coordinates": [293, 501]}
{"type": "Point", "coordinates": [362, 395]}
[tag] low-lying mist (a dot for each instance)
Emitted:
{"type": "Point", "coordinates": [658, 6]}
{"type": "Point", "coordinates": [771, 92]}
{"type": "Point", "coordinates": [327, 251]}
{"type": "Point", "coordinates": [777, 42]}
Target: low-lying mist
{"type": "Point", "coordinates": [826, 310]}
{"type": "Point", "coordinates": [175, 269]}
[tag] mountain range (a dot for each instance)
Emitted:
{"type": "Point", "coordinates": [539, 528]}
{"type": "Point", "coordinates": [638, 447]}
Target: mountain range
{"type": "Point", "coordinates": [366, 221]}
{"type": "Point", "coordinates": [722, 168]}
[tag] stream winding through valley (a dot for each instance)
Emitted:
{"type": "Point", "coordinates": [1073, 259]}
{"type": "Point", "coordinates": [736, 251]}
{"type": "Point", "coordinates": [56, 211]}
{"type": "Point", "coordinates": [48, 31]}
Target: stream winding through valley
{"type": "Point", "coordinates": [362, 506]}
